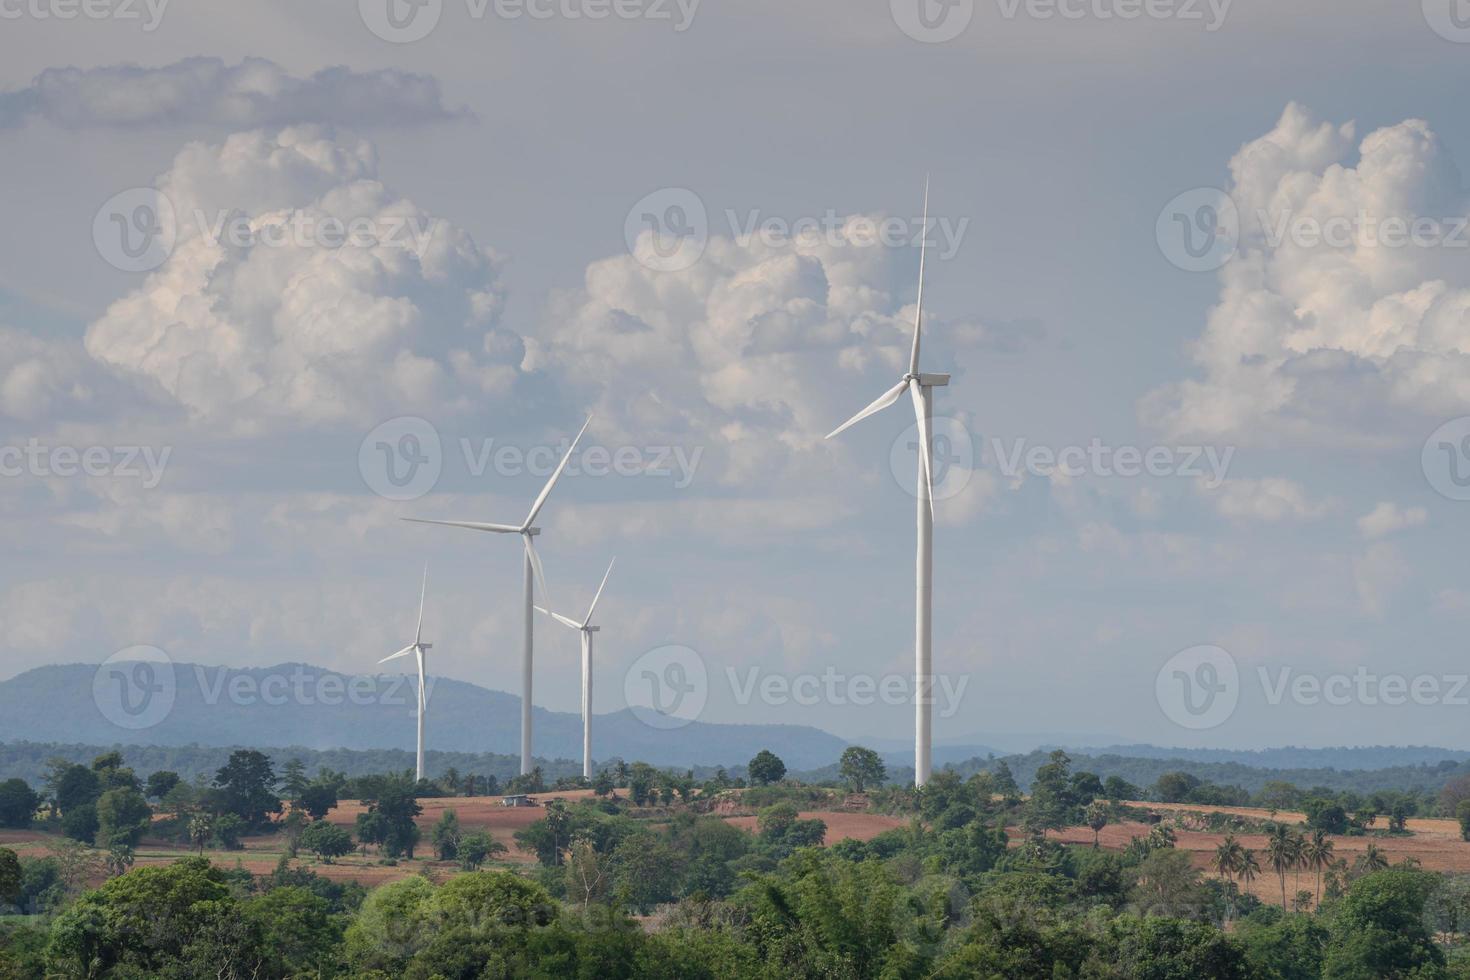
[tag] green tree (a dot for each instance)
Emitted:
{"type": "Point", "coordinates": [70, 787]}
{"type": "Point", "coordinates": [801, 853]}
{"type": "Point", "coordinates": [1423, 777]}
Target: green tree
{"type": "Point", "coordinates": [318, 799]}
{"type": "Point", "coordinates": [80, 823]}
{"type": "Point", "coordinates": [1317, 855]}
{"type": "Point", "coordinates": [477, 848]}
{"type": "Point", "coordinates": [201, 830]}
{"type": "Point", "coordinates": [1096, 817]}
{"type": "Point", "coordinates": [1379, 930]}
{"type": "Point", "coordinates": [326, 841]}
{"type": "Point", "coordinates": [161, 783]}
{"type": "Point", "coordinates": [1175, 787]}
{"type": "Point", "coordinates": [123, 815]}
{"type": "Point", "coordinates": [1462, 814]}
{"type": "Point", "coordinates": [74, 786]}
{"type": "Point", "coordinates": [602, 783]}
{"type": "Point", "coordinates": [1281, 854]}
{"type": "Point", "coordinates": [398, 806]}
{"type": "Point", "coordinates": [18, 803]}
{"type": "Point", "coordinates": [294, 779]}
{"type": "Point", "coordinates": [861, 768]}
{"type": "Point", "coordinates": [295, 933]}
{"type": "Point", "coordinates": [11, 877]}
{"type": "Point", "coordinates": [447, 835]}
{"type": "Point", "coordinates": [245, 785]}
{"type": "Point", "coordinates": [1051, 806]}
{"type": "Point", "coordinates": [766, 768]}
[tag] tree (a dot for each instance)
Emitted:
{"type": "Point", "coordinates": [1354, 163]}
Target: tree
{"type": "Point", "coordinates": [602, 783]}
{"type": "Point", "coordinates": [1317, 855]}
{"type": "Point", "coordinates": [397, 804]}
{"type": "Point", "coordinates": [74, 786]}
{"type": "Point", "coordinates": [766, 768]}
{"type": "Point", "coordinates": [246, 788]}
{"type": "Point", "coordinates": [1372, 859]}
{"type": "Point", "coordinates": [326, 841]}
{"type": "Point", "coordinates": [475, 849]}
{"type": "Point", "coordinates": [1379, 929]}
{"type": "Point", "coordinates": [1052, 806]}
{"type": "Point", "coordinates": [11, 877]}
{"type": "Point", "coordinates": [1096, 817]}
{"type": "Point", "coordinates": [161, 783]}
{"type": "Point", "coordinates": [1281, 854]}
{"type": "Point", "coordinates": [1462, 813]}
{"type": "Point", "coordinates": [587, 873]}
{"type": "Point", "coordinates": [18, 804]}
{"type": "Point", "coordinates": [1005, 784]}
{"type": "Point", "coordinates": [860, 768]}
{"type": "Point", "coordinates": [292, 828]}
{"type": "Point", "coordinates": [318, 799]}
{"type": "Point", "coordinates": [122, 817]}
{"type": "Point", "coordinates": [228, 831]}
{"type": "Point", "coordinates": [1175, 787]}
{"type": "Point", "coordinates": [80, 823]}
{"type": "Point", "coordinates": [294, 780]}
{"type": "Point", "coordinates": [447, 836]}
{"type": "Point", "coordinates": [201, 830]}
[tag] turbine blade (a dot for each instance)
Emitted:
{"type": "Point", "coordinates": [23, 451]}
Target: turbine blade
{"type": "Point", "coordinates": [401, 653]}
{"type": "Point", "coordinates": [418, 634]}
{"type": "Point", "coordinates": [883, 401]}
{"type": "Point", "coordinates": [564, 620]}
{"type": "Point", "coordinates": [599, 592]}
{"type": "Point", "coordinates": [919, 307]}
{"type": "Point", "coordinates": [925, 441]}
{"type": "Point", "coordinates": [537, 570]}
{"type": "Point", "coordinates": [546, 490]}
{"type": "Point", "coordinates": [472, 525]}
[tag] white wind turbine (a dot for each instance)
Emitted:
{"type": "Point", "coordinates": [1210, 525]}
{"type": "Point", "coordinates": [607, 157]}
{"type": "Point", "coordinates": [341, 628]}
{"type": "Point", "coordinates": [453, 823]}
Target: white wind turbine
{"type": "Point", "coordinates": [586, 628]}
{"type": "Point", "coordinates": [920, 388]}
{"type": "Point", "coordinates": [418, 647]}
{"type": "Point", "coordinates": [532, 570]}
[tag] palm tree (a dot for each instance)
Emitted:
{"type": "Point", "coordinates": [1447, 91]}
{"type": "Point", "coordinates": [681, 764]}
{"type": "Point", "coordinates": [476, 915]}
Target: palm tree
{"type": "Point", "coordinates": [1372, 859]}
{"type": "Point", "coordinates": [1317, 855]}
{"type": "Point", "coordinates": [1096, 817]}
{"type": "Point", "coordinates": [1298, 857]}
{"type": "Point", "coordinates": [1281, 855]}
{"type": "Point", "coordinates": [1228, 861]}
{"type": "Point", "coordinates": [1249, 867]}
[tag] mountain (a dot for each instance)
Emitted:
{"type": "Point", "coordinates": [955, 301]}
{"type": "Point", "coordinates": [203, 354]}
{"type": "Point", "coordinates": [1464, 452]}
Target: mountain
{"type": "Point", "coordinates": [300, 705]}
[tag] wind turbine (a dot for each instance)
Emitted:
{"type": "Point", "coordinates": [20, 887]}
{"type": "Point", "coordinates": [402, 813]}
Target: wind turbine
{"type": "Point", "coordinates": [921, 390]}
{"type": "Point", "coordinates": [586, 628]}
{"type": "Point", "coordinates": [417, 647]}
{"type": "Point", "coordinates": [533, 570]}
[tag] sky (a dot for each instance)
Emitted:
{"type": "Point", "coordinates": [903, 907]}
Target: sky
{"type": "Point", "coordinates": [280, 274]}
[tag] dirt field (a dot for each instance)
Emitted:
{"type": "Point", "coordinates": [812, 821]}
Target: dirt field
{"type": "Point", "coordinates": [840, 826]}
{"type": "Point", "coordinates": [1435, 843]}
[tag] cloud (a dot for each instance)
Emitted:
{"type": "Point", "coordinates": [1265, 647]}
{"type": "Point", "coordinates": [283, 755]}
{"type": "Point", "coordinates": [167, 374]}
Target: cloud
{"type": "Point", "coordinates": [1380, 573]}
{"type": "Point", "coordinates": [1332, 325]}
{"type": "Point", "coordinates": [206, 91]}
{"type": "Point", "coordinates": [1268, 499]}
{"type": "Point", "coordinates": [755, 352]}
{"type": "Point", "coordinates": [1386, 518]}
{"type": "Point", "coordinates": [262, 316]}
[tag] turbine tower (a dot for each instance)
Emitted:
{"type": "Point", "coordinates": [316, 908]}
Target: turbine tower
{"type": "Point", "coordinates": [418, 648]}
{"type": "Point", "coordinates": [921, 390]}
{"type": "Point", "coordinates": [533, 570]}
{"type": "Point", "coordinates": [586, 628]}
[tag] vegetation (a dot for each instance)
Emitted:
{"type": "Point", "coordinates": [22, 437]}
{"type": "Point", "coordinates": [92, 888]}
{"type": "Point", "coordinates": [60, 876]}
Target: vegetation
{"type": "Point", "coordinates": [975, 880]}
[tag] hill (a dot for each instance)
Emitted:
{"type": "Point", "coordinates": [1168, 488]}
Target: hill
{"type": "Point", "coordinates": [313, 708]}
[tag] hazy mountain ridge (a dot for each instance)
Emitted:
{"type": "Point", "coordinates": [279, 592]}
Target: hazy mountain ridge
{"type": "Point", "coordinates": [223, 706]}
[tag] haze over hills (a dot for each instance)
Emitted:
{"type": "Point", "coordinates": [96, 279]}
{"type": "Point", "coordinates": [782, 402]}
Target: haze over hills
{"type": "Point", "coordinates": [301, 705]}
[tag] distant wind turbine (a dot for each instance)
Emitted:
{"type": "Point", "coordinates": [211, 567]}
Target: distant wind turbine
{"type": "Point", "coordinates": [418, 647]}
{"type": "Point", "coordinates": [533, 570]}
{"type": "Point", "coordinates": [586, 628]}
{"type": "Point", "coordinates": [920, 388]}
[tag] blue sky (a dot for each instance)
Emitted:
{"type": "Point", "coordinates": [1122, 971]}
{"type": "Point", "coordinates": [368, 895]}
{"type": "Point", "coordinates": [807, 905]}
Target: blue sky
{"type": "Point", "coordinates": [525, 143]}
